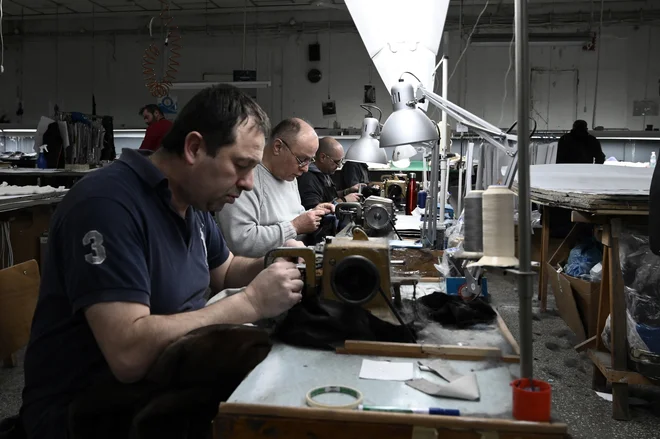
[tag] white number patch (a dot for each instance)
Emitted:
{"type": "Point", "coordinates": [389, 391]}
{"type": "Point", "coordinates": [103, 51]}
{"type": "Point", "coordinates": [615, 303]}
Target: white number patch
{"type": "Point", "coordinates": [97, 256]}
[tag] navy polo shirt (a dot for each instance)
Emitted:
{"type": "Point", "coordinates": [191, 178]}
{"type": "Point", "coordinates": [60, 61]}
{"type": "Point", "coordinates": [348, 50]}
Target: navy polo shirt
{"type": "Point", "coordinates": [114, 237]}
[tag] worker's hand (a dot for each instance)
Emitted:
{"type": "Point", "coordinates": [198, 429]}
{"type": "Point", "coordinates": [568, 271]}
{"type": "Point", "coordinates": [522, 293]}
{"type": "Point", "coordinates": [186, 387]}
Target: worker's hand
{"type": "Point", "coordinates": [276, 289]}
{"type": "Point", "coordinates": [294, 243]}
{"type": "Point", "coordinates": [353, 198]}
{"type": "Point", "coordinates": [326, 207]}
{"type": "Point", "coordinates": [356, 188]}
{"type": "Point", "coordinates": [308, 222]}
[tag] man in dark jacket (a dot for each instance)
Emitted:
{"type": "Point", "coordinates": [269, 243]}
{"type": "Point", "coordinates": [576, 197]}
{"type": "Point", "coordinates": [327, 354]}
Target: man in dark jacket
{"type": "Point", "coordinates": [354, 173]}
{"type": "Point", "coordinates": [579, 146]}
{"type": "Point", "coordinates": [316, 186]}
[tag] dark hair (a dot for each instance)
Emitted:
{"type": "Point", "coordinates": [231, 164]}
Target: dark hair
{"type": "Point", "coordinates": [215, 112]}
{"type": "Point", "coordinates": [580, 125]}
{"type": "Point", "coordinates": [151, 108]}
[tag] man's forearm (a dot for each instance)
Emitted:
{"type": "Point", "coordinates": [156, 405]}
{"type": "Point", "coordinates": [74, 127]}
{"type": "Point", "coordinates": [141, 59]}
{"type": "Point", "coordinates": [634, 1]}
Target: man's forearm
{"type": "Point", "coordinates": [242, 271]}
{"type": "Point", "coordinates": [133, 344]}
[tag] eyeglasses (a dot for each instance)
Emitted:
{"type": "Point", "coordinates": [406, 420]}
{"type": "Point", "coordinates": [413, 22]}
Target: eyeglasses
{"type": "Point", "coordinates": [339, 162]}
{"type": "Point", "coordinates": [301, 163]}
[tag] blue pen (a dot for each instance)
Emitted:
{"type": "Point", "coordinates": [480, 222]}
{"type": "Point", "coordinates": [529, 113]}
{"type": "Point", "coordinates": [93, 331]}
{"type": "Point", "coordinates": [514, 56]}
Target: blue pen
{"type": "Point", "coordinates": [425, 411]}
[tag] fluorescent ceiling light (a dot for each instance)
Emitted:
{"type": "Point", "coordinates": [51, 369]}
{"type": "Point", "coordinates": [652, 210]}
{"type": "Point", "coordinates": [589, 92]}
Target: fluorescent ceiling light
{"type": "Point", "coordinates": [578, 39]}
{"type": "Point", "coordinates": [18, 130]}
{"type": "Point", "coordinates": [198, 85]}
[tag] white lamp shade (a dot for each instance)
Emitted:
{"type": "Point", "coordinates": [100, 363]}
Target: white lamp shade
{"type": "Point", "coordinates": [403, 152]}
{"type": "Point", "coordinates": [366, 148]}
{"type": "Point", "coordinates": [366, 151]}
{"type": "Point", "coordinates": [407, 124]}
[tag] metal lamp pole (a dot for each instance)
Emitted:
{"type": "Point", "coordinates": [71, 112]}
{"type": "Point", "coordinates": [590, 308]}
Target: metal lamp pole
{"type": "Point", "coordinates": [525, 288]}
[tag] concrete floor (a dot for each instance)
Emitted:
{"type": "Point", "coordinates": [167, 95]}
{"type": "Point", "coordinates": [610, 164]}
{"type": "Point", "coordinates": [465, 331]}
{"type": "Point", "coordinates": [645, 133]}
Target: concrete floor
{"type": "Point", "coordinates": [587, 415]}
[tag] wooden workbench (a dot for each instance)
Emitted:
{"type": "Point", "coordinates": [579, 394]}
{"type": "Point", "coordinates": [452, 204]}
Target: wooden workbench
{"type": "Point", "coordinates": [608, 198]}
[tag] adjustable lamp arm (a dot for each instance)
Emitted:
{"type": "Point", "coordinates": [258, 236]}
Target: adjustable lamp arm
{"type": "Point", "coordinates": [483, 128]}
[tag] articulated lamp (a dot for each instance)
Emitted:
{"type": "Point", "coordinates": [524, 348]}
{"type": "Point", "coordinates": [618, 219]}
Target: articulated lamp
{"type": "Point", "coordinates": [366, 149]}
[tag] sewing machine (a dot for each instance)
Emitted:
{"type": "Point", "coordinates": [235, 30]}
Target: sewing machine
{"type": "Point", "coordinates": [394, 187]}
{"type": "Point", "coordinates": [355, 270]}
{"type": "Point", "coordinates": [375, 215]}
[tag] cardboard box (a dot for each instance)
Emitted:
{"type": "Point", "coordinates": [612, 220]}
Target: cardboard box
{"type": "Point", "coordinates": [577, 302]}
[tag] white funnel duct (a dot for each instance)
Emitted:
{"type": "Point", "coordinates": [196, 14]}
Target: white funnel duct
{"type": "Point", "coordinates": [401, 36]}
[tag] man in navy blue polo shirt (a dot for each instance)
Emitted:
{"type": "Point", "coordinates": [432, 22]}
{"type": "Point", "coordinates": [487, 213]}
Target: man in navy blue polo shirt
{"type": "Point", "coordinates": [132, 250]}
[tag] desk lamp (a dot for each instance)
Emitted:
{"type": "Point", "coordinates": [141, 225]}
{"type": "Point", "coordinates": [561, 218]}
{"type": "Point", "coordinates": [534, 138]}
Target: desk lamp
{"type": "Point", "coordinates": [366, 149]}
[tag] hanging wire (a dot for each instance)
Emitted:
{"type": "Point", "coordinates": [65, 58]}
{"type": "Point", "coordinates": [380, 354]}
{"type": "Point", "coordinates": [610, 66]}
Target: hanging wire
{"type": "Point", "coordinates": [600, 44]}
{"type": "Point", "coordinates": [244, 30]}
{"type": "Point", "coordinates": [160, 87]}
{"type": "Point", "coordinates": [2, 41]}
{"type": "Point", "coordinates": [506, 80]}
{"type": "Point", "coordinates": [329, 54]}
{"type": "Point", "coordinates": [467, 44]}
{"type": "Point", "coordinates": [57, 61]}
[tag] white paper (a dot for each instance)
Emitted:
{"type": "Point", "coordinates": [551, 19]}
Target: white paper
{"type": "Point", "coordinates": [408, 222]}
{"type": "Point", "coordinates": [386, 370]}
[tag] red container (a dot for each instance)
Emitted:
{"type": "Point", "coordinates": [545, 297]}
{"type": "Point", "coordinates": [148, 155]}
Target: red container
{"type": "Point", "coordinates": [411, 195]}
{"type": "Point", "coordinates": [531, 402]}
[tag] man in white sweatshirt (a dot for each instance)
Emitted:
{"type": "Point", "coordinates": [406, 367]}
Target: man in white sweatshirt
{"type": "Point", "coordinates": [272, 214]}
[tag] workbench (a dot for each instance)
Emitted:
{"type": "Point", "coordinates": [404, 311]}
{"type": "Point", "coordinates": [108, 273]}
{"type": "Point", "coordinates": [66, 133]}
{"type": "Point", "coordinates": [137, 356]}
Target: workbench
{"type": "Point", "coordinates": [41, 177]}
{"type": "Point", "coordinates": [270, 402]}
{"type": "Point", "coordinates": [608, 198]}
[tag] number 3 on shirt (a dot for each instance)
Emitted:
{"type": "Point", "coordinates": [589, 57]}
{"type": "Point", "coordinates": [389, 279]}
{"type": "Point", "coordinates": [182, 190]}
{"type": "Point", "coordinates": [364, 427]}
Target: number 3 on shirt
{"type": "Point", "coordinates": [97, 256]}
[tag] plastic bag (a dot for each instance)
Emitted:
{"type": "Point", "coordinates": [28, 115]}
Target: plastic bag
{"type": "Point", "coordinates": [535, 219]}
{"type": "Point", "coordinates": [583, 257]}
{"type": "Point", "coordinates": [635, 341]}
{"type": "Point", "coordinates": [641, 278]}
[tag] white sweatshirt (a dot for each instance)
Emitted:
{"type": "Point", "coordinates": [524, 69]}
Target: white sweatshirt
{"type": "Point", "coordinates": [260, 220]}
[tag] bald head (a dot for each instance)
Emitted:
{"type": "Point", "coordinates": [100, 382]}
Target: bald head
{"type": "Point", "coordinates": [292, 145]}
{"type": "Point", "coordinates": [330, 155]}
{"type": "Point", "coordinates": [329, 146]}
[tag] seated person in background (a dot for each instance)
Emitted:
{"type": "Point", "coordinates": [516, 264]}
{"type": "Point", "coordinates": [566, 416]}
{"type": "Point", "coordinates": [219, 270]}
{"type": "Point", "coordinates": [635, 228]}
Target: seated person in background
{"type": "Point", "coordinates": [316, 186]}
{"type": "Point", "coordinates": [132, 249]}
{"type": "Point", "coordinates": [354, 173]}
{"type": "Point", "coordinates": [157, 127]}
{"type": "Point", "coordinates": [272, 213]}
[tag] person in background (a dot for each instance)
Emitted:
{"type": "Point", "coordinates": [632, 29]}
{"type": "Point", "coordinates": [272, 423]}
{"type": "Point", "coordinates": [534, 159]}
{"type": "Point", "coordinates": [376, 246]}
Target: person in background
{"type": "Point", "coordinates": [354, 173]}
{"type": "Point", "coordinates": [578, 146]}
{"type": "Point", "coordinates": [316, 186]}
{"type": "Point", "coordinates": [272, 214]}
{"type": "Point", "coordinates": [157, 127]}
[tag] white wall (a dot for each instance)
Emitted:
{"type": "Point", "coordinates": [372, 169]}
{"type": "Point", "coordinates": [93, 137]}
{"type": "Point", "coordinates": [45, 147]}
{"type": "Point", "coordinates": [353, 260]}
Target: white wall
{"type": "Point", "coordinates": [67, 70]}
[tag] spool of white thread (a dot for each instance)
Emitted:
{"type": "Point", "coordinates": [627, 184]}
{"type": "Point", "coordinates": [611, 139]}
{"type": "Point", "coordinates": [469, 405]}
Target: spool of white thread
{"type": "Point", "coordinates": [498, 228]}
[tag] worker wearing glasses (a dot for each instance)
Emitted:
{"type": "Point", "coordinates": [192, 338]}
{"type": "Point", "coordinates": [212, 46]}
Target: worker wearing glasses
{"type": "Point", "coordinates": [272, 213]}
{"type": "Point", "coordinates": [317, 185]}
